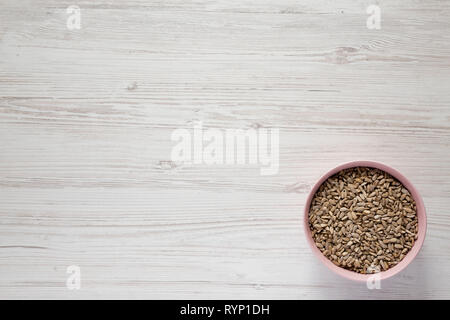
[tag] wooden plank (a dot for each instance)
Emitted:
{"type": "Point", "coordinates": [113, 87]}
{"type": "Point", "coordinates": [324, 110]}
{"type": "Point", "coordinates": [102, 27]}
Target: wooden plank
{"type": "Point", "coordinates": [86, 117]}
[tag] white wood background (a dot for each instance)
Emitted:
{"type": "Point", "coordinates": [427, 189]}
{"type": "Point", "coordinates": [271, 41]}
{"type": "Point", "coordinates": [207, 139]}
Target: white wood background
{"type": "Point", "coordinates": [85, 123]}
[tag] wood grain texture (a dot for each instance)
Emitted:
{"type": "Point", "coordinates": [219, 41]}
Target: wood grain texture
{"type": "Point", "coordinates": [86, 118]}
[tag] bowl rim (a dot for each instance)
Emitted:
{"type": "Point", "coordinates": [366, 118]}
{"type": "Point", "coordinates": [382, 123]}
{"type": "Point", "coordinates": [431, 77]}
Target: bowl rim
{"type": "Point", "coordinates": [421, 215]}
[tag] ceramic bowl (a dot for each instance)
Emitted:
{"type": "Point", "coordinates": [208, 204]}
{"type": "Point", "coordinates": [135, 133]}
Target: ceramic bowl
{"type": "Point", "coordinates": [421, 215]}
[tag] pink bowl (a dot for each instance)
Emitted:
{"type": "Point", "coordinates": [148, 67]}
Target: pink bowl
{"type": "Point", "coordinates": [421, 215]}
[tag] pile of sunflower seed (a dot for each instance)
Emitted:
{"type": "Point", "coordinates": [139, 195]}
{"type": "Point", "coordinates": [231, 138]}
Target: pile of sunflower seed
{"type": "Point", "coordinates": [363, 219]}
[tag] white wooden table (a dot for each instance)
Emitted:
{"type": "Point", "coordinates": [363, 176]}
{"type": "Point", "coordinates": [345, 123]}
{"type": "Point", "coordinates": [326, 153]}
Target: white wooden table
{"type": "Point", "coordinates": [86, 117]}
